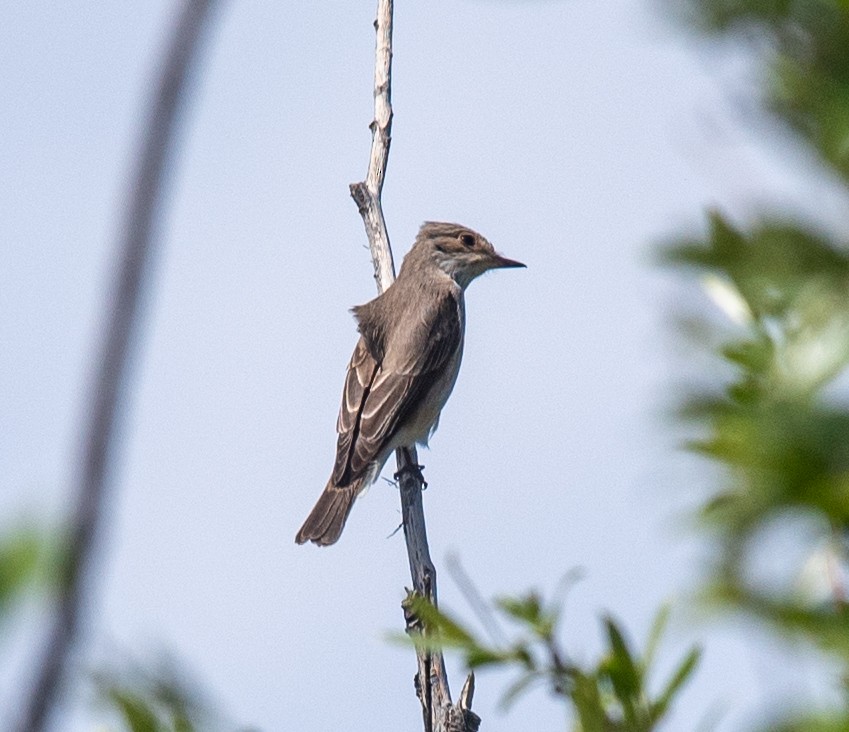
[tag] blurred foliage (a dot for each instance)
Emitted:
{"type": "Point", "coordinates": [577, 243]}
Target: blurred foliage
{"type": "Point", "coordinates": [803, 48]}
{"type": "Point", "coordinates": [783, 438]}
{"type": "Point", "coordinates": [160, 699]}
{"type": "Point", "coordinates": [609, 696]}
{"type": "Point", "coordinates": [780, 425]}
{"type": "Point", "coordinates": [156, 699]}
{"type": "Point", "coordinates": [25, 563]}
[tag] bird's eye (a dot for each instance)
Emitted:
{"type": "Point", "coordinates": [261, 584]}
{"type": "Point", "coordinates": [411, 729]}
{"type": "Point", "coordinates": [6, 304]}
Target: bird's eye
{"type": "Point", "coordinates": [467, 240]}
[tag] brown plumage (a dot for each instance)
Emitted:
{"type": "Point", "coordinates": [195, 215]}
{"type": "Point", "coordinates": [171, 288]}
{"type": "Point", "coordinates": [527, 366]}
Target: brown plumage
{"type": "Point", "coordinates": [403, 367]}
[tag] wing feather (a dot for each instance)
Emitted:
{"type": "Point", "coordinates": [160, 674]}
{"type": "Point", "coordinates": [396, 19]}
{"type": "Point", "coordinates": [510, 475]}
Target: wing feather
{"type": "Point", "coordinates": [377, 398]}
{"type": "Point", "coordinates": [361, 373]}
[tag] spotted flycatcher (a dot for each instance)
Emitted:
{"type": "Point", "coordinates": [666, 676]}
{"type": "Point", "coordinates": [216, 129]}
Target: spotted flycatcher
{"type": "Point", "coordinates": [404, 365]}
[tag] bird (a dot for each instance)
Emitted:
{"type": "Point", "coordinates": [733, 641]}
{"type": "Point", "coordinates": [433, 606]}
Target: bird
{"type": "Point", "coordinates": [404, 366]}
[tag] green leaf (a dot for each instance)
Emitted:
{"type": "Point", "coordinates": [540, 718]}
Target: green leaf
{"type": "Point", "coordinates": [477, 656]}
{"type": "Point", "coordinates": [160, 699]}
{"type": "Point", "coordinates": [527, 608]}
{"type": "Point", "coordinates": [588, 704]}
{"type": "Point", "coordinates": [624, 673]}
{"type": "Point", "coordinates": [21, 552]}
{"type": "Point", "coordinates": [530, 611]}
{"type": "Point", "coordinates": [677, 680]}
{"type": "Point", "coordinates": [135, 712]}
{"type": "Point", "coordinates": [444, 627]}
{"type": "Point", "coordinates": [661, 620]}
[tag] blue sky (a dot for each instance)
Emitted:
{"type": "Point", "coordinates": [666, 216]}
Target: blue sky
{"type": "Point", "coordinates": [573, 136]}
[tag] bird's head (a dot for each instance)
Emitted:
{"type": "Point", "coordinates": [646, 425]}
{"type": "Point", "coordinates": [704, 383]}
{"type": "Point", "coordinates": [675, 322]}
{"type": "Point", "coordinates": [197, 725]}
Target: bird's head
{"type": "Point", "coordinates": [456, 250]}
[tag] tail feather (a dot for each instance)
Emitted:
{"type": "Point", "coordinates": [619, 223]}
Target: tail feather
{"type": "Point", "coordinates": [327, 519]}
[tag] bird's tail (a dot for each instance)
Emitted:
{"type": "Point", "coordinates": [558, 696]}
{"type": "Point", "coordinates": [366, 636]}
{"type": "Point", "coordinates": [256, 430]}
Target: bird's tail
{"type": "Point", "coordinates": [327, 519]}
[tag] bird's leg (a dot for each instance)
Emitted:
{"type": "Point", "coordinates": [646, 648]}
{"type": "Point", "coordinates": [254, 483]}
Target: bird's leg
{"type": "Point", "coordinates": [411, 468]}
{"type": "Point", "coordinates": [415, 471]}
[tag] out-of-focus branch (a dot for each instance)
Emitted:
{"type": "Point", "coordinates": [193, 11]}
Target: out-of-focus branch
{"type": "Point", "coordinates": [431, 680]}
{"type": "Point", "coordinates": [110, 379]}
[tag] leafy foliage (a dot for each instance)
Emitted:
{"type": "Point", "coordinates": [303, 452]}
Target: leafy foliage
{"type": "Point", "coordinates": [24, 558]}
{"type": "Point", "coordinates": [780, 426]}
{"type": "Point", "coordinates": [803, 45]}
{"type": "Point", "coordinates": [159, 699]}
{"type": "Point", "coordinates": [772, 423]}
{"type": "Point", "coordinates": [610, 696]}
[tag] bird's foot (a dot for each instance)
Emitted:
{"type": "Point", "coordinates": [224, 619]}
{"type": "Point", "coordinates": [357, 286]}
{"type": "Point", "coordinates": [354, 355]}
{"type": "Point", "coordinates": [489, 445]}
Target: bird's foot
{"type": "Point", "coordinates": [415, 471]}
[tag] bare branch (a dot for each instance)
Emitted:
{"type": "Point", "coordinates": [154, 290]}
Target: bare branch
{"type": "Point", "coordinates": [101, 422]}
{"type": "Point", "coordinates": [431, 680]}
{"type": "Point", "coordinates": [367, 193]}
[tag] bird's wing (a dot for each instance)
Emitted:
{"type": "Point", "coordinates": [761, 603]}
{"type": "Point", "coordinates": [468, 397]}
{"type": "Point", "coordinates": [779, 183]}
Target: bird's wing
{"type": "Point", "coordinates": [377, 399]}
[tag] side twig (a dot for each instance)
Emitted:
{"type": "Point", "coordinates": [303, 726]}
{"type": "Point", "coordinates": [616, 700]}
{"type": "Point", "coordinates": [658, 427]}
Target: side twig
{"type": "Point", "coordinates": [99, 432]}
{"type": "Point", "coordinates": [431, 681]}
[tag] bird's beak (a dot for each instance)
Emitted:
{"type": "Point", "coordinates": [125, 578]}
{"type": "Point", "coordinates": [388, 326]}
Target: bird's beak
{"type": "Point", "coordinates": [499, 262]}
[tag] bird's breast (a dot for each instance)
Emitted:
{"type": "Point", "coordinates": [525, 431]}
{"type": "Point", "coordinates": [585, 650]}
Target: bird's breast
{"type": "Point", "coordinates": [423, 422]}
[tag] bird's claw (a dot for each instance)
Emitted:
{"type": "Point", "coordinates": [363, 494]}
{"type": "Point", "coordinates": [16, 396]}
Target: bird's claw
{"type": "Point", "coordinates": [415, 471]}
